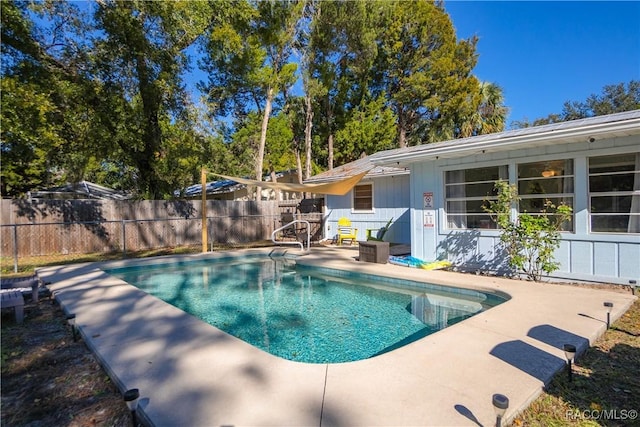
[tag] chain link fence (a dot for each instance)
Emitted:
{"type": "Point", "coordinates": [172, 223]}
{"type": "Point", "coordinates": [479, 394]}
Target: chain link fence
{"type": "Point", "coordinates": [26, 245]}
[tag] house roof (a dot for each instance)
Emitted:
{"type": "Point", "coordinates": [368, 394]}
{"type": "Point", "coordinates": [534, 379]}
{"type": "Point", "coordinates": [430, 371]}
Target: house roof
{"type": "Point", "coordinates": [213, 187]}
{"type": "Point", "coordinates": [355, 168]}
{"type": "Point", "coordinates": [397, 161]}
{"type": "Point", "coordinates": [82, 189]}
{"type": "Point", "coordinates": [588, 130]}
{"type": "Point", "coordinates": [224, 186]}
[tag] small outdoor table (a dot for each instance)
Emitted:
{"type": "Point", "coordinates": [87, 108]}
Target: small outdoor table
{"type": "Point", "coordinates": [374, 251]}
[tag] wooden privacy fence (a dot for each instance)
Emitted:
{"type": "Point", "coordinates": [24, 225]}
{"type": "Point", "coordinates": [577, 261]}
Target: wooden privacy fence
{"type": "Point", "coordinates": [52, 227]}
{"type": "Point", "coordinates": [129, 235]}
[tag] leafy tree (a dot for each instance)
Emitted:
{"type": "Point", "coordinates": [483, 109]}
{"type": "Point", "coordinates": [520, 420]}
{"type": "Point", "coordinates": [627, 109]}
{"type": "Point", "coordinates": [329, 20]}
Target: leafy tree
{"type": "Point", "coordinates": [27, 137]}
{"type": "Point", "coordinates": [370, 128]}
{"type": "Point", "coordinates": [424, 71]}
{"type": "Point", "coordinates": [279, 154]}
{"type": "Point", "coordinates": [491, 114]}
{"type": "Point", "coordinates": [297, 114]}
{"type": "Point", "coordinates": [248, 62]}
{"type": "Point", "coordinates": [613, 99]}
{"type": "Point", "coordinates": [531, 239]}
{"type": "Point", "coordinates": [107, 90]}
{"type": "Point", "coordinates": [44, 95]}
{"type": "Point", "coordinates": [140, 60]}
{"type": "Point", "coordinates": [343, 47]}
{"type": "Point", "coordinates": [312, 89]}
{"type": "Point", "coordinates": [96, 90]}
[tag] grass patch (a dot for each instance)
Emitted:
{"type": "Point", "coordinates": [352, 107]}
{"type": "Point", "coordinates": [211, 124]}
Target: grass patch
{"type": "Point", "coordinates": [27, 265]}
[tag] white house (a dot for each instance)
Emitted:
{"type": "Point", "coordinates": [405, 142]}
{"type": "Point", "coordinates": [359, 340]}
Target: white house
{"type": "Point", "coordinates": [592, 165]}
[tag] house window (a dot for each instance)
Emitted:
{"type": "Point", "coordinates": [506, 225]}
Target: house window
{"type": "Point", "coordinates": [465, 193]}
{"type": "Point", "coordinates": [363, 197]}
{"type": "Point", "coordinates": [614, 193]}
{"type": "Point", "coordinates": [539, 182]}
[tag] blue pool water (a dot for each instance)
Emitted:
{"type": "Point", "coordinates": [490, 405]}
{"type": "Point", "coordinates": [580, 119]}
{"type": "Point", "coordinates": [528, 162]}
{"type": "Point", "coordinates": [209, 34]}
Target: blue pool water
{"type": "Point", "coordinates": [307, 314]}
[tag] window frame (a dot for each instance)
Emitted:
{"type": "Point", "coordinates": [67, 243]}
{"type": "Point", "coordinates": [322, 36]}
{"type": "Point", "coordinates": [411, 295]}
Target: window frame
{"type": "Point", "coordinates": [542, 177]}
{"type": "Point", "coordinates": [492, 226]}
{"type": "Point", "coordinates": [612, 193]}
{"type": "Point", "coordinates": [510, 174]}
{"type": "Point", "coordinates": [353, 198]}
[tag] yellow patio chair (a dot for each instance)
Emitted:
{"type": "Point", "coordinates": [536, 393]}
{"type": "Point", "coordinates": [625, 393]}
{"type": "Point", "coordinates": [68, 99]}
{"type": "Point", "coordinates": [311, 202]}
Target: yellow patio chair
{"type": "Point", "coordinates": [345, 231]}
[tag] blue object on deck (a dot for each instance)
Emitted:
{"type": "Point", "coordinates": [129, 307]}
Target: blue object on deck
{"type": "Point", "coordinates": [407, 261]}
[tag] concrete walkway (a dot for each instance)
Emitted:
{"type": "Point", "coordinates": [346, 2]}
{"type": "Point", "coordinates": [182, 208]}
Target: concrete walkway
{"type": "Point", "coordinates": [192, 374]}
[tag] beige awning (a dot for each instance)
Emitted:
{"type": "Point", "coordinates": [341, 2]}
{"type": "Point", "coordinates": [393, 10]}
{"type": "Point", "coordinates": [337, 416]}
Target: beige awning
{"type": "Point", "coordinates": [337, 188]}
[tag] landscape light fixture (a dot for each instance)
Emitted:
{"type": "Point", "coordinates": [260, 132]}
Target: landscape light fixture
{"type": "Point", "coordinates": [609, 306]}
{"type": "Point", "coordinates": [570, 354]}
{"type": "Point", "coordinates": [500, 405]}
{"type": "Point", "coordinates": [71, 320]}
{"type": "Point", "coordinates": [131, 399]}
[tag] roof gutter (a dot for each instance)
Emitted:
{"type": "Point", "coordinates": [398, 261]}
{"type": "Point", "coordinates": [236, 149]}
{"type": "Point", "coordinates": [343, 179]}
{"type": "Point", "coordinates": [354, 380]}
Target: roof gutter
{"type": "Point", "coordinates": [585, 134]}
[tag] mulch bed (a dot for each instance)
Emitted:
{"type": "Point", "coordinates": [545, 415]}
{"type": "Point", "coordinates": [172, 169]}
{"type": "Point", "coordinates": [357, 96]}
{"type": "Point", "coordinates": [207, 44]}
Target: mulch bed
{"type": "Point", "coordinates": [50, 380]}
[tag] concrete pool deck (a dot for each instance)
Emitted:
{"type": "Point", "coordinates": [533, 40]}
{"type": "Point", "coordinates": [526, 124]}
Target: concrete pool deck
{"type": "Point", "coordinates": [192, 374]}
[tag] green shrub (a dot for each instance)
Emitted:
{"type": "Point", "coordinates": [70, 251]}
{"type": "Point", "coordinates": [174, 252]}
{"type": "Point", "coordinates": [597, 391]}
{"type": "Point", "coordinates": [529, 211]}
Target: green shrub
{"type": "Point", "coordinates": [530, 240]}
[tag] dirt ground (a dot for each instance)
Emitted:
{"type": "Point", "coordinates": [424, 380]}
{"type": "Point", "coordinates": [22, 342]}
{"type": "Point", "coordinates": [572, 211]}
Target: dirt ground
{"type": "Point", "coordinates": [50, 380]}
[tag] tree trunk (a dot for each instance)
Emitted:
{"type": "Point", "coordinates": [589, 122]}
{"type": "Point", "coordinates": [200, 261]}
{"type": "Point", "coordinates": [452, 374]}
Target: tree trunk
{"type": "Point", "coordinates": [307, 136]}
{"type": "Point", "coordinates": [263, 137]}
{"type": "Point", "coordinates": [274, 178]}
{"type": "Point", "coordinates": [402, 132]}
{"type": "Point", "coordinates": [299, 166]}
{"type": "Point", "coordinates": [330, 130]}
{"type": "Point", "coordinates": [152, 135]}
{"type": "Point", "coordinates": [307, 139]}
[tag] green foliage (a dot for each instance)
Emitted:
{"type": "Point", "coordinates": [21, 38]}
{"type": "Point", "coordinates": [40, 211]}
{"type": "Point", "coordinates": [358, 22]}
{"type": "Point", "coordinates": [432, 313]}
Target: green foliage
{"type": "Point", "coordinates": [491, 114]}
{"type": "Point", "coordinates": [424, 71]}
{"type": "Point", "coordinates": [613, 99]}
{"type": "Point", "coordinates": [249, 62]}
{"type": "Point", "coordinates": [370, 128]}
{"type": "Point", "coordinates": [341, 50]}
{"type": "Point", "coordinates": [530, 240]}
{"type": "Point", "coordinates": [43, 95]}
{"type": "Point", "coordinates": [98, 92]}
{"type": "Point", "coordinates": [279, 154]}
{"type": "Point", "coordinates": [103, 96]}
{"type": "Point", "coordinates": [140, 60]}
{"type": "Point", "coordinates": [26, 136]}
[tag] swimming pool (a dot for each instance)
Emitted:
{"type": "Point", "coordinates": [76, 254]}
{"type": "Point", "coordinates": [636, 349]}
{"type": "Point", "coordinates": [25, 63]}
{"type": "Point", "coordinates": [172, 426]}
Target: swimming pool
{"type": "Point", "coordinates": [307, 314]}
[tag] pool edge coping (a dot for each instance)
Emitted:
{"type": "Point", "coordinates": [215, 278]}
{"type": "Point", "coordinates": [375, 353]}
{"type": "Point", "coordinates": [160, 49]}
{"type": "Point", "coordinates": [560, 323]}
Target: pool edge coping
{"type": "Point", "coordinates": [91, 267]}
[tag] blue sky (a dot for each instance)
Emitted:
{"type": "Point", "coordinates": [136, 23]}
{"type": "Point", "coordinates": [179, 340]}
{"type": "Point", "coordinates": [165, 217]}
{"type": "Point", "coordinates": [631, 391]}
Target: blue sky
{"type": "Point", "coordinates": [544, 53]}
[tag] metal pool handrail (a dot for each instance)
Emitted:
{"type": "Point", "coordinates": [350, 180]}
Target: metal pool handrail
{"type": "Point", "coordinates": [275, 232]}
